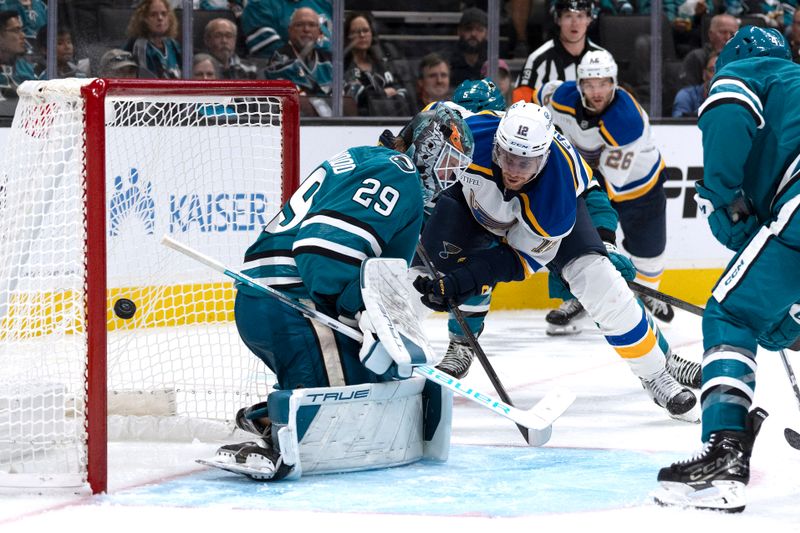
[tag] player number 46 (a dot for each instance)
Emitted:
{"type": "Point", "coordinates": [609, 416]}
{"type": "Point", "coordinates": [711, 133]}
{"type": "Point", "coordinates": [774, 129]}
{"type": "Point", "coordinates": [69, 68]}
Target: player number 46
{"type": "Point", "coordinates": [382, 199]}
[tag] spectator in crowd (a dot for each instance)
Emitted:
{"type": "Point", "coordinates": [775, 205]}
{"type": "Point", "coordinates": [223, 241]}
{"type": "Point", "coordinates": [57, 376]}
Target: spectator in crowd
{"type": "Point", "coordinates": [205, 67]}
{"type": "Point", "coordinates": [153, 30]}
{"type": "Point", "coordinates": [300, 61]}
{"type": "Point", "coordinates": [721, 28]}
{"type": "Point", "coordinates": [794, 36]}
{"type": "Point", "coordinates": [689, 99]}
{"type": "Point", "coordinates": [558, 58]}
{"type": "Point", "coordinates": [15, 69]}
{"type": "Point", "coordinates": [266, 24]}
{"type": "Point", "coordinates": [503, 79]}
{"type": "Point", "coordinates": [433, 80]}
{"type": "Point", "coordinates": [32, 14]}
{"type": "Point", "coordinates": [66, 66]}
{"type": "Point", "coordinates": [220, 40]}
{"type": "Point", "coordinates": [470, 52]}
{"type": "Point", "coordinates": [234, 6]}
{"type": "Point", "coordinates": [118, 63]}
{"type": "Point", "coordinates": [367, 76]}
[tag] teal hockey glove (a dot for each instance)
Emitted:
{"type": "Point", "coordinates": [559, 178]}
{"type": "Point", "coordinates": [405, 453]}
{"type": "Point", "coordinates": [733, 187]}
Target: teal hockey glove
{"type": "Point", "coordinates": [785, 333]}
{"type": "Point", "coordinates": [731, 223]}
{"type": "Point", "coordinates": [621, 262]}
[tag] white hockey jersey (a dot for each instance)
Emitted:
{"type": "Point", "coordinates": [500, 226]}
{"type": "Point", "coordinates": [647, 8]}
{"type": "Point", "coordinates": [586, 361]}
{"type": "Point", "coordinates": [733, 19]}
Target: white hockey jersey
{"type": "Point", "coordinates": [534, 219]}
{"type": "Point", "coordinates": [618, 142]}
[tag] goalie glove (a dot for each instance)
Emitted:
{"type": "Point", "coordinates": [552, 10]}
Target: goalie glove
{"type": "Point", "coordinates": [375, 357]}
{"type": "Point", "coordinates": [731, 222]}
{"type": "Point", "coordinates": [784, 334]}
{"type": "Point", "coordinates": [621, 262]}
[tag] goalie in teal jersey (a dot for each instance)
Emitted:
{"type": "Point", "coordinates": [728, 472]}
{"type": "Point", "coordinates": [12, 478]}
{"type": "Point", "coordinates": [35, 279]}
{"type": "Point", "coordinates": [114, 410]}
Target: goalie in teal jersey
{"type": "Point", "coordinates": [361, 203]}
{"type": "Point", "coordinates": [751, 194]}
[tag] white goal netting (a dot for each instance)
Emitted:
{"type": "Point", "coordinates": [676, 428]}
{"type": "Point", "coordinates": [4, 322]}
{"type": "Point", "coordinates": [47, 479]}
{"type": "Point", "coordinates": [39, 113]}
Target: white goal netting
{"type": "Point", "coordinates": [205, 170]}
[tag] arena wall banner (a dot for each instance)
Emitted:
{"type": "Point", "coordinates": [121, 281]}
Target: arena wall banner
{"type": "Point", "coordinates": [694, 258]}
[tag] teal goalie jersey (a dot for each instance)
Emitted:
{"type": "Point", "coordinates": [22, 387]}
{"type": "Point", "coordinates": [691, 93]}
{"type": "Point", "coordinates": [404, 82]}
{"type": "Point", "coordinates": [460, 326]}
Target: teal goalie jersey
{"type": "Point", "coordinates": [364, 202]}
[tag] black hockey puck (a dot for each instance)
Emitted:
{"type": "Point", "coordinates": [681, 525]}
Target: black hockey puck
{"type": "Point", "coordinates": [124, 308]}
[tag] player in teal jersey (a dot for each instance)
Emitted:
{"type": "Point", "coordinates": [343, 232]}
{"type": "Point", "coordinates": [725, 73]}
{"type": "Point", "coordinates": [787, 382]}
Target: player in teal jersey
{"type": "Point", "coordinates": [751, 194]}
{"type": "Point", "coordinates": [364, 202]}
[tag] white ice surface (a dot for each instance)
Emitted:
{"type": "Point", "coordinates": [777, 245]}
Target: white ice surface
{"type": "Point", "coordinates": [611, 412]}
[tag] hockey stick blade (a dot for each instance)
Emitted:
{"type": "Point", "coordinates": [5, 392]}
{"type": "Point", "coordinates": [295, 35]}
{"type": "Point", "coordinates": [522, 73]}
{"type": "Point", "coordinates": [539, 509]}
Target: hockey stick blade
{"type": "Point", "coordinates": [792, 437]}
{"type": "Point", "coordinates": [535, 419]}
{"type": "Point", "coordinates": [538, 419]}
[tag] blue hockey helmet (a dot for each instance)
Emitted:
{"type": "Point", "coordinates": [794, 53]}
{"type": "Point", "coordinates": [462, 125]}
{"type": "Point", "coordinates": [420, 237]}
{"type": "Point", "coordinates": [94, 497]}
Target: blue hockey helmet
{"type": "Point", "coordinates": [753, 41]}
{"type": "Point", "coordinates": [479, 95]}
{"type": "Point", "coordinates": [440, 144]}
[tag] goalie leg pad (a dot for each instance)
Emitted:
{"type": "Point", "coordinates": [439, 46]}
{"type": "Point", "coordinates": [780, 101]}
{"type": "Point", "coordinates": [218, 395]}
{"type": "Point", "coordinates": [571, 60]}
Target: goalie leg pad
{"type": "Point", "coordinates": [350, 428]}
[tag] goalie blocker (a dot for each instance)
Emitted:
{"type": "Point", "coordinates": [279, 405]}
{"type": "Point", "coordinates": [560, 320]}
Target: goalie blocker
{"type": "Point", "coordinates": [345, 429]}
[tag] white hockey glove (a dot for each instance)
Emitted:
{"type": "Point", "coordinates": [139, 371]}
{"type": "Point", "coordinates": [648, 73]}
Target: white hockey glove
{"type": "Point", "coordinates": [375, 357]}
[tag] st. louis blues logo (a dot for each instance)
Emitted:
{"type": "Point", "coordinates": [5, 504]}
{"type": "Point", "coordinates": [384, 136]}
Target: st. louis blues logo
{"type": "Point", "coordinates": [483, 217]}
{"type": "Point", "coordinates": [132, 197]}
{"type": "Point", "coordinates": [449, 249]}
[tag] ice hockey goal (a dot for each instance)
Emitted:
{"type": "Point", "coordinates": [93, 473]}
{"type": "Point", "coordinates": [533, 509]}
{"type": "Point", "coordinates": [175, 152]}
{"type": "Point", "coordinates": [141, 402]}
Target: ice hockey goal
{"type": "Point", "coordinates": [95, 173]}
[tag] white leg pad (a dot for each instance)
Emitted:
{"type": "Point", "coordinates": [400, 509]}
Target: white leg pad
{"type": "Point", "coordinates": [609, 302]}
{"type": "Point", "coordinates": [356, 427]}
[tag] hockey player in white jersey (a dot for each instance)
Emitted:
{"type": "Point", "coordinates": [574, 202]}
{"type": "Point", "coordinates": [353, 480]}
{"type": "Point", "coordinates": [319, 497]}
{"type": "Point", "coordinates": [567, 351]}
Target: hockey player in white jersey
{"type": "Point", "coordinates": [612, 132]}
{"type": "Point", "coordinates": [518, 208]}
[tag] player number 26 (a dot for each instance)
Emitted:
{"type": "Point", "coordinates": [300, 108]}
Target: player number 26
{"type": "Point", "coordinates": [382, 199]}
{"type": "Point", "coordinates": [619, 159]}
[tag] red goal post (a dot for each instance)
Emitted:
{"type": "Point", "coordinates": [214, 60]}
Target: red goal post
{"type": "Point", "coordinates": [98, 170]}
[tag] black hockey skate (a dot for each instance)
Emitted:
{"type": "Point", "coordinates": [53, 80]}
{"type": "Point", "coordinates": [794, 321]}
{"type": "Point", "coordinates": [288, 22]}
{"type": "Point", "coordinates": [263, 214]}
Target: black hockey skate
{"type": "Point", "coordinates": [565, 319]}
{"type": "Point", "coordinates": [669, 394]}
{"type": "Point", "coordinates": [457, 360]}
{"type": "Point", "coordinates": [257, 460]}
{"type": "Point", "coordinates": [249, 419]}
{"type": "Point", "coordinates": [685, 372]}
{"type": "Point", "coordinates": [661, 310]}
{"type": "Point", "coordinates": [716, 477]}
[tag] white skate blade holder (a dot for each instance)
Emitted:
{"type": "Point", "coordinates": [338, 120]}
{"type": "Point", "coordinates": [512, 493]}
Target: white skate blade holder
{"type": "Point", "coordinates": [727, 496]}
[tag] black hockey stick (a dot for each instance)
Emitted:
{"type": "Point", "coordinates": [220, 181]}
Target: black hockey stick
{"type": "Point", "coordinates": [471, 339]}
{"type": "Point", "coordinates": [792, 436]}
{"type": "Point", "coordinates": [666, 298]}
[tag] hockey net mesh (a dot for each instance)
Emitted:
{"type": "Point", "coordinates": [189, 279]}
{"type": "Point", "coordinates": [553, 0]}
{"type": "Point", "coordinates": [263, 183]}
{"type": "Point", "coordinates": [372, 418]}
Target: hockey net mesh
{"type": "Point", "coordinates": [205, 170]}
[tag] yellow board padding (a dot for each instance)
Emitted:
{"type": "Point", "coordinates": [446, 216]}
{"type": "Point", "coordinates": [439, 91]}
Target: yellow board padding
{"type": "Point", "coordinates": [691, 285]}
{"type": "Point", "coordinates": [173, 305]}
{"type": "Point", "coordinates": [43, 313]}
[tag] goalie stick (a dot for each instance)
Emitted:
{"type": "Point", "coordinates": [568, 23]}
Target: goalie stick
{"type": "Point", "coordinates": [554, 403]}
{"type": "Point", "coordinates": [538, 419]}
{"type": "Point", "coordinates": [792, 436]}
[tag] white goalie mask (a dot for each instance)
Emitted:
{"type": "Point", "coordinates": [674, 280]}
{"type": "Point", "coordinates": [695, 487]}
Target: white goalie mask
{"type": "Point", "coordinates": [522, 141]}
{"type": "Point", "coordinates": [597, 64]}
